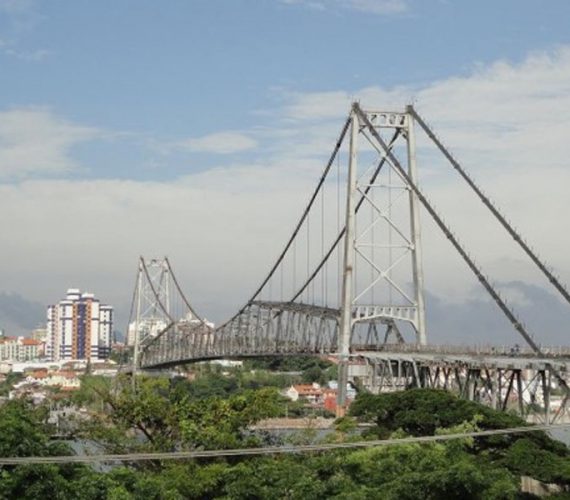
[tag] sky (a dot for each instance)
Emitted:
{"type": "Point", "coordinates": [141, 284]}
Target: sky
{"type": "Point", "coordinates": [197, 129]}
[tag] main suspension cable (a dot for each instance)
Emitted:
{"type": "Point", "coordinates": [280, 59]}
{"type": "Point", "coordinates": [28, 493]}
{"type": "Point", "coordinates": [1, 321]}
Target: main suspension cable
{"type": "Point", "coordinates": [487, 202]}
{"type": "Point", "coordinates": [184, 299]}
{"type": "Point", "coordinates": [299, 224]}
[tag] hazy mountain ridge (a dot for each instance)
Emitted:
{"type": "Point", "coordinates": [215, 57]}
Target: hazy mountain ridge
{"type": "Point", "coordinates": [18, 315]}
{"type": "Point", "coordinates": [479, 320]}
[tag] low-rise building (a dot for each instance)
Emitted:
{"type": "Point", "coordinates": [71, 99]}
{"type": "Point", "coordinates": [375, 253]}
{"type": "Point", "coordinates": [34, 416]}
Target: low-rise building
{"type": "Point", "coordinates": [311, 393]}
{"type": "Point", "coordinates": [106, 369]}
{"type": "Point", "coordinates": [321, 397]}
{"type": "Point", "coordinates": [19, 349]}
{"type": "Point", "coordinates": [37, 381]}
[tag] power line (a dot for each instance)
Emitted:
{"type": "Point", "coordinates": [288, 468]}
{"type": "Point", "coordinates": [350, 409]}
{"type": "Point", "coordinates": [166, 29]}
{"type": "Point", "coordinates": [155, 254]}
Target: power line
{"type": "Point", "coordinates": [272, 450]}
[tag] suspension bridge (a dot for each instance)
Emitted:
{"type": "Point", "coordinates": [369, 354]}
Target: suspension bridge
{"type": "Point", "coordinates": [349, 283]}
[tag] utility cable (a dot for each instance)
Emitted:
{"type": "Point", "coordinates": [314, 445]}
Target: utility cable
{"type": "Point", "coordinates": [272, 450]}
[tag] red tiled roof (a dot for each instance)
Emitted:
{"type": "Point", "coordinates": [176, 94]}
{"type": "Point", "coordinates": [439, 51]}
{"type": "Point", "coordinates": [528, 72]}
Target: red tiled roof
{"type": "Point", "coordinates": [31, 342]}
{"type": "Point", "coordinates": [307, 390]}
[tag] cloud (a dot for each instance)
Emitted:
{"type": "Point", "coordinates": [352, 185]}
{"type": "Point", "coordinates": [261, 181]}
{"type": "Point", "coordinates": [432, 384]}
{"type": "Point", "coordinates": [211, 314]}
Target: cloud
{"type": "Point", "coordinates": [377, 6]}
{"type": "Point", "coordinates": [515, 95]}
{"type": "Point", "coordinates": [381, 7]}
{"type": "Point", "coordinates": [16, 6]}
{"type": "Point", "coordinates": [34, 141]}
{"type": "Point", "coordinates": [11, 49]}
{"type": "Point", "coordinates": [22, 17]}
{"type": "Point", "coordinates": [223, 227]}
{"type": "Point", "coordinates": [89, 234]}
{"type": "Point", "coordinates": [218, 143]}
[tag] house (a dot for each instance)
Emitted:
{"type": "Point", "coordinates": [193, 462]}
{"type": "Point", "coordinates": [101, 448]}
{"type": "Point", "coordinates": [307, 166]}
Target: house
{"type": "Point", "coordinates": [65, 379]}
{"type": "Point", "coordinates": [311, 393]}
{"type": "Point", "coordinates": [329, 399]}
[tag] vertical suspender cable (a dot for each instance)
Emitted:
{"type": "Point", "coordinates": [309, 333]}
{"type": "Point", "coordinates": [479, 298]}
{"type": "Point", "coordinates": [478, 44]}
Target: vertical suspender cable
{"type": "Point", "coordinates": [342, 231]}
{"type": "Point", "coordinates": [299, 224]}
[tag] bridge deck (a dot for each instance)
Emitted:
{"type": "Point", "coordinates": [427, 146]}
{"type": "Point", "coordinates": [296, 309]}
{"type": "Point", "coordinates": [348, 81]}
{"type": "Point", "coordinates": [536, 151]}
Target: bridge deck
{"type": "Point", "coordinates": [472, 360]}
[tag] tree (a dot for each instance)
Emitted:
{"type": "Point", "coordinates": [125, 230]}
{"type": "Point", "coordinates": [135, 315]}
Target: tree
{"type": "Point", "coordinates": [421, 412]}
{"type": "Point", "coordinates": [24, 432]}
{"type": "Point", "coordinates": [160, 417]}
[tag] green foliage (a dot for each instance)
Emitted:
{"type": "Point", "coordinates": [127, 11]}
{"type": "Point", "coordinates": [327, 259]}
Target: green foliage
{"type": "Point", "coordinates": [163, 416]}
{"type": "Point", "coordinates": [213, 383]}
{"type": "Point", "coordinates": [286, 363]}
{"type": "Point", "coordinates": [207, 385]}
{"type": "Point", "coordinates": [260, 378]}
{"type": "Point", "coordinates": [160, 417]}
{"type": "Point", "coordinates": [279, 477]}
{"type": "Point", "coordinates": [11, 379]}
{"type": "Point", "coordinates": [420, 412]}
{"type": "Point", "coordinates": [219, 423]}
{"type": "Point", "coordinates": [91, 393]}
{"type": "Point", "coordinates": [421, 471]}
{"type": "Point", "coordinates": [345, 424]}
{"type": "Point", "coordinates": [23, 431]}
{"type": "Point", "coordinates": [527, 458]}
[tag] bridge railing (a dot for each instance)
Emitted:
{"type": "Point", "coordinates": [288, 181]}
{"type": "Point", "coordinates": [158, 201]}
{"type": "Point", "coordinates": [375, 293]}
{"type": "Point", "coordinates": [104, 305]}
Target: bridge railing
{"type": "Point", "coordinates": [476, 350]}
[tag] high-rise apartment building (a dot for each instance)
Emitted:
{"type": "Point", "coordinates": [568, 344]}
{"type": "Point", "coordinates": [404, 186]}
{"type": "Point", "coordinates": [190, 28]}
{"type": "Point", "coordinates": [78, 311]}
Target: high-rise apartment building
{"type": "Point", "coordinates": [79, 327]}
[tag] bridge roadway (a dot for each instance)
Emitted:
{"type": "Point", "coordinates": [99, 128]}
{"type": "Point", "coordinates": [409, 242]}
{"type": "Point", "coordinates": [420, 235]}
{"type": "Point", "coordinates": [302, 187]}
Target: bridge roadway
{"type": "Point", "coordinates": [481, 357]}
{"type": "Point", "coordinates": [504, 357]}
{"type": "Point", "coordinates": [505, 378]}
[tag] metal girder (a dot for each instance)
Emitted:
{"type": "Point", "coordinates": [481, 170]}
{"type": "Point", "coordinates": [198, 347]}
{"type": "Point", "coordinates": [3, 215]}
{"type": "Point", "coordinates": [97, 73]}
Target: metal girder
{"type": "Point", "coordinates": [363, 313]}
{"type": "Point", "coordinates": [261, 329]}
{"type": "Point", "coordinates": [524, 385]}
{"type": "Point", "coordinates": [299, 307]}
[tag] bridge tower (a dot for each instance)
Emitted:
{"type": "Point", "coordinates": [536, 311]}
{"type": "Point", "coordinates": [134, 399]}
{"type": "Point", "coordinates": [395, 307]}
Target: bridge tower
{"type": "Point", "coordinates": [382, 245]}
{"type": "Point", "coordinates": [150, 312]}
{"type": "Point", "coordinates": [158, 306]}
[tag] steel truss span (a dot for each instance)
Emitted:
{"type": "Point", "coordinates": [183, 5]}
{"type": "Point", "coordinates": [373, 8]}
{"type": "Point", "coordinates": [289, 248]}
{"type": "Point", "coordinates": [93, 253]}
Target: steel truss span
{"type": "Point", "coordinates": [351, 272]}
{"type": "Point", "coordinates": [523, 384]}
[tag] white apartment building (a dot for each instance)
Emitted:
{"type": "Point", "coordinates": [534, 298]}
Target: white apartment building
{"type": "Point", "coordinates": [147, 328]}
{"type": "Point", "coordinates": [79, 327]}
{"type": "Point", "coordinates": [19, 349]}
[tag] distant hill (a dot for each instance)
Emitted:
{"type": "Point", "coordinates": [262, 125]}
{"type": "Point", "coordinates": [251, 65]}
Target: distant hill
{"type": "Point", "coordinates": [18, 316]}
{"type": "Point", "coordinates": [479, 320]}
